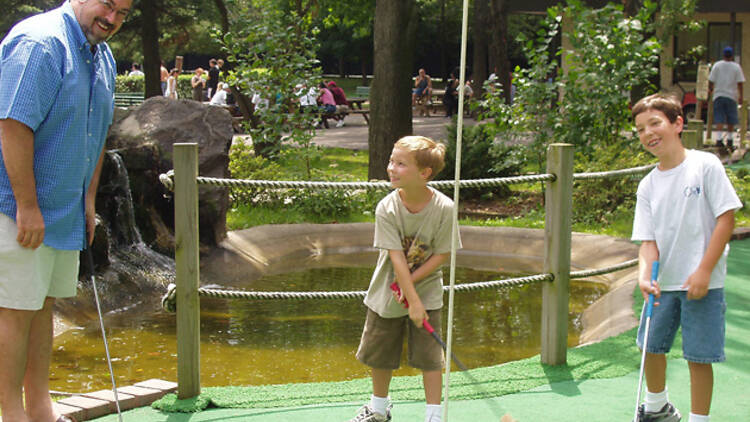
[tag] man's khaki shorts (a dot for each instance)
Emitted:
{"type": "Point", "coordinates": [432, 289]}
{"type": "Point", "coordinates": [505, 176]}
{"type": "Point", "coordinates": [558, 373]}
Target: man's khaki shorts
{"type": "Point", "coordinates": [383, 340]}
{"type": "Point", "coordinates": [28, 276]}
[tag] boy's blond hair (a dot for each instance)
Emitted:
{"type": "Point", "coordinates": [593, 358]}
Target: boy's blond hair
{"type": "Point", "coordinates": [427, 153]}
{"type": "Point", "coordinates": [666, 103]}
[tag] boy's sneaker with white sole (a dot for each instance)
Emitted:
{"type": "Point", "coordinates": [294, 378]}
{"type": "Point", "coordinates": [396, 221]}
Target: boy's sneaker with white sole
{"type": "Point", "coordinates": [366, 414]}
{"type": "Point", "coordinates": [668, 413]}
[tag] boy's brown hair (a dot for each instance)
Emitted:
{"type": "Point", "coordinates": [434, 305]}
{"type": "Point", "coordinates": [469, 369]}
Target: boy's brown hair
{"type": "Point", "coordinates": [666, 103]}
{"type": "Point", "coordinates": [427, 153]}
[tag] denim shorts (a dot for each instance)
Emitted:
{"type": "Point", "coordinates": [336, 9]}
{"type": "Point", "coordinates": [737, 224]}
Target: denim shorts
{"type": "Point", "coordinates": [702, 324]}
{"type": "Point", "coordinates": [725, 111]}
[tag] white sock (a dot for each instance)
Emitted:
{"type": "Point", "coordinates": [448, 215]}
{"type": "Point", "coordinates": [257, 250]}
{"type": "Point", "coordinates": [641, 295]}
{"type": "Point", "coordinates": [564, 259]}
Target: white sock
{"type": "Point", "coordinates": [699, 418]}
{"type": "Point", "coordinates": [379, 404]}
{"type": "Point", "coordinates": [655, 401]}
{"type": "Point", "coordinates": [433, 413]}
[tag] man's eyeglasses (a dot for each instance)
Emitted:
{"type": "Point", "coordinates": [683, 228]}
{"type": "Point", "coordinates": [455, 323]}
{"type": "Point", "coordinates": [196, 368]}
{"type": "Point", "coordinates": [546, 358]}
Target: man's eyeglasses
{"type": "Point", "coordinates": [121, 13]}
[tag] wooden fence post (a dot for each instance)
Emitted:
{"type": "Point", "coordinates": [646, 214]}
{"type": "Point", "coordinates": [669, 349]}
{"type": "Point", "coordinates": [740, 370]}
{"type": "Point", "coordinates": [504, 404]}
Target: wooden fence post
{"type": "Point", "coordinates": [557, 240]}
{"type": "Point", "coordinates": [697, 126]}
{"type": "Point", "coordinates": [187, 269]}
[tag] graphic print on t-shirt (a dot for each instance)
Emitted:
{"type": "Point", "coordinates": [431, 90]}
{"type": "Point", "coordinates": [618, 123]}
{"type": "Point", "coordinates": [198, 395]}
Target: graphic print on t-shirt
{"type": "Point", "coordinates": [416, 251]}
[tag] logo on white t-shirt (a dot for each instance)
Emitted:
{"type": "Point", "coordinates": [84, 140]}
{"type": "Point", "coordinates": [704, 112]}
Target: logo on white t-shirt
{"type": "Point", "coordinates": [692, 191]}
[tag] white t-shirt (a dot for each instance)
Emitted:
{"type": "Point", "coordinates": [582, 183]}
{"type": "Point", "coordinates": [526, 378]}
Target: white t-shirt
{"type": "Point", "coordinates": [420, 235]}
{"type": "Point", "coordinates": [678, 209]}
{"type": "Point", "coordinates": [725, 76]}
{"type": "Point", "coordinates": [308, 98]}
{"type": "Point", "coordinates": [220, 98]}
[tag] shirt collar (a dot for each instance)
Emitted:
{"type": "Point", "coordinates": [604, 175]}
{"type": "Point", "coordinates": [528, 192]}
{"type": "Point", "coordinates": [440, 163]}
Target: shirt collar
{"type": "Point", "coordinates": [74, 28]}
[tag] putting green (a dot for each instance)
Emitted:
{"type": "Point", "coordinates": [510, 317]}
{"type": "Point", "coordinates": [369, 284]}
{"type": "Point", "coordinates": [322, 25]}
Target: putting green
{"type": "Point", "coordinates": [598, 383]}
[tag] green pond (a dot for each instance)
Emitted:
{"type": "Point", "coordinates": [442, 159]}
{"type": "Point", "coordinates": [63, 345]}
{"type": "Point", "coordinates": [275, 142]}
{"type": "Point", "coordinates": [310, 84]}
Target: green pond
{"type": "Point", "coordinates": [276, 342]}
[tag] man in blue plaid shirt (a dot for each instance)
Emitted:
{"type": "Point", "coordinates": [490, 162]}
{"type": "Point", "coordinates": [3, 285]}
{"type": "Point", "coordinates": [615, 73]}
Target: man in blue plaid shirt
{"type": "Point", "coordinates": [57, 79]}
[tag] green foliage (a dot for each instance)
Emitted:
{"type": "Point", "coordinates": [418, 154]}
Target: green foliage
{"type": "Point", "coordinates": [611, 54]}
{"type": "Point", "coordinates": [270, 54]}
{"type": "Point", "coordinates": [481, 157]}
{"type": "Point", "coordinates": [602, 202]}
{"type": "Point", "coordinates": [244, 164]}
{"type": "Point", "coordinates": [255, 206]}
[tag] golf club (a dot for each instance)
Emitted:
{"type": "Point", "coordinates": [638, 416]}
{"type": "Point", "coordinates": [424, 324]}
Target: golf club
{"type": "Point", "coordinates": [649, 308]}
{"type": "Point", "coordinates": [428, 327]}
{"type": "Point", "coordinates": [104, 334]}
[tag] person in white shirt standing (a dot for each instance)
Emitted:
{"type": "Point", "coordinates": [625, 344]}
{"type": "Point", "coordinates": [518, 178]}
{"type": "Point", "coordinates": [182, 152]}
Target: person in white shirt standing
{"type": "Point", "coordinates": [726, 82]}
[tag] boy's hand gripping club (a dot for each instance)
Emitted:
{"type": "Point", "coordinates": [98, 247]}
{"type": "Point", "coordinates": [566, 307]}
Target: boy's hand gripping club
{"type": "Point", "coordinates": [649, 309]}
{"type": "Point", "coordinates": [428, 327]}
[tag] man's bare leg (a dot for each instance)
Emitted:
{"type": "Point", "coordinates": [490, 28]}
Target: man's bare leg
{"type": "Point", "coordinates": [36, 382]}
{"type": "Point", "coordinates": [15, 326]}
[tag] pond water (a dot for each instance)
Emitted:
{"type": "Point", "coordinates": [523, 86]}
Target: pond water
{"type": "Point", "coordinates": [276, 342]}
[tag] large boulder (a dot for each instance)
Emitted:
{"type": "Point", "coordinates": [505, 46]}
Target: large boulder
{"type": "Point", "coordinates": [143, 136]}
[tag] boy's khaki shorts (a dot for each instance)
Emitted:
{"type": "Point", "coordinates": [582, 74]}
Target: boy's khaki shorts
{"type": "Point", "coordinates": [383, 339]}
{"type": "Point", "coordinates": [28, 276]}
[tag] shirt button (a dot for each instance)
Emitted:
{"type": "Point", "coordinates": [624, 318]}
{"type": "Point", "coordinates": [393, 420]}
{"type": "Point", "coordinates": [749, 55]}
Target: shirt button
{"type": "Point", "coordinates": [89, 134]}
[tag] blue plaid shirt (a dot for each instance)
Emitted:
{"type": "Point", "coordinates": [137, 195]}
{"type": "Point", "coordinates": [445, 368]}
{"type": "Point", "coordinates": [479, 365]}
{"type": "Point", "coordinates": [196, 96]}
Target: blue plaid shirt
{"type": "Point", "coordinates": [52, 82]}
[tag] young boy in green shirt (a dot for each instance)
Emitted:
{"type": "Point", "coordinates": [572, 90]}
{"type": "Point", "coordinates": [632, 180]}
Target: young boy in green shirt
{"type": "Point", "coordinates": [413, 227]}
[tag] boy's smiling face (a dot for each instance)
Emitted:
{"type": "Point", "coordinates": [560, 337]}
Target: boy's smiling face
{"type": "Point", "coordinates": [404, 172]}
{"type": "Point", "coordinates": [657, 134]}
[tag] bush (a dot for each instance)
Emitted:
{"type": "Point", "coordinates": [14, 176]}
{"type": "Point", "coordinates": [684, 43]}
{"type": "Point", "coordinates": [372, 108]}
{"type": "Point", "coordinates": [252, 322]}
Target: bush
{"type": "Point", "coordinates": [482, 156]}
{"type": "Point", "coordinates": [136, 84]}
{"type": "Point", "coordinates": [602, 201]}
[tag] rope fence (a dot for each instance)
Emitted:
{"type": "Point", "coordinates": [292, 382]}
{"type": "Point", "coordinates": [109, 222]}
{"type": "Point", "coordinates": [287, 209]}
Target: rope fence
{"type": "Point", "coordinates": [169, 299]}
{"type": "Point", "coordinates": [167, 179]}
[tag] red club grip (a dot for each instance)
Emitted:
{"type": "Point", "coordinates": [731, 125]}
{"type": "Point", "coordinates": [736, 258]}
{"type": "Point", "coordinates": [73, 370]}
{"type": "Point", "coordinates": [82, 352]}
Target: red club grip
{"type": "Point", "coordinates": [425, 324]}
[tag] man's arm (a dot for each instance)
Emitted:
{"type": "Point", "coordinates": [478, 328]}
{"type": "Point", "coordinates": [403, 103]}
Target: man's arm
{"type": "Point", "coordinates": [697, 283]}
{"type": "Point", "coordinates": [18, 156]}
{"type": "Point", "coordinates": [91, 199]}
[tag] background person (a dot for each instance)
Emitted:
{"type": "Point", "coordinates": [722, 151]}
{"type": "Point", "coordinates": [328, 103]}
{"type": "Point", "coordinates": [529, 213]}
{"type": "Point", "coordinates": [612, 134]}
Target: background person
{"type": "Point", "coordinates": [135, 70]}
{"type": "Point", "coordinates": [726, 82]}
{"type": "Point", "coordinates": [52, 135]}
{"type": "Point", "coordinates": [413, 227]}
{"type": "Point", "coordinates": [422, 87]}
{"type": "Point", "coordinates": [213, 77]}
{"type": "Point", "coordinates": [163, 75]}
{"type": "Point", "coordinates": [684, 216]}
{"type": "Point", "coordinates": [198, 83]}
{"type": "Point", "coordinates": [342, 105]}
{"type": "Point", "coordinates": [172, 84]}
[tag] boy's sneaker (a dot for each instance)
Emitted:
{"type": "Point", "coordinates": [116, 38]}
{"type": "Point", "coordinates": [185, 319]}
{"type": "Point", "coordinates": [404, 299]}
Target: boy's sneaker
{"type": "Point", "coordinates": [365, 414]}
{"type": "Point", "coordinates": [668, 413]}
{"type": "Point", "coordinates": [340, 123]}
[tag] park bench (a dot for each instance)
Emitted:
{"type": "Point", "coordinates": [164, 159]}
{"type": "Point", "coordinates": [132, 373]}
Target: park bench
{"type": "Point", "coordinates": [425, 105]}
{"type": "Point", "coordinates": [127, 99]}
{"type": "Point", "coordinates": [363, 91]}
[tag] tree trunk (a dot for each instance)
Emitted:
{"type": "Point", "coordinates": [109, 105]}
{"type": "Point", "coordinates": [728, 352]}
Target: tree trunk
{"type": "Point", "coordinates": [390, 95]}
{"type": "Point", "coordinates": [224, 14]}
{"type": "Point", "coordinates": [150, 43]}
{"type": "Point", "coordinates": [442, 43]}
{"type": "Point", "coordinates": [499, 45]}
{"type": "Point", "coordinates": [481, 11]}
{"type": "Point", "coordinates": [363, 62]}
